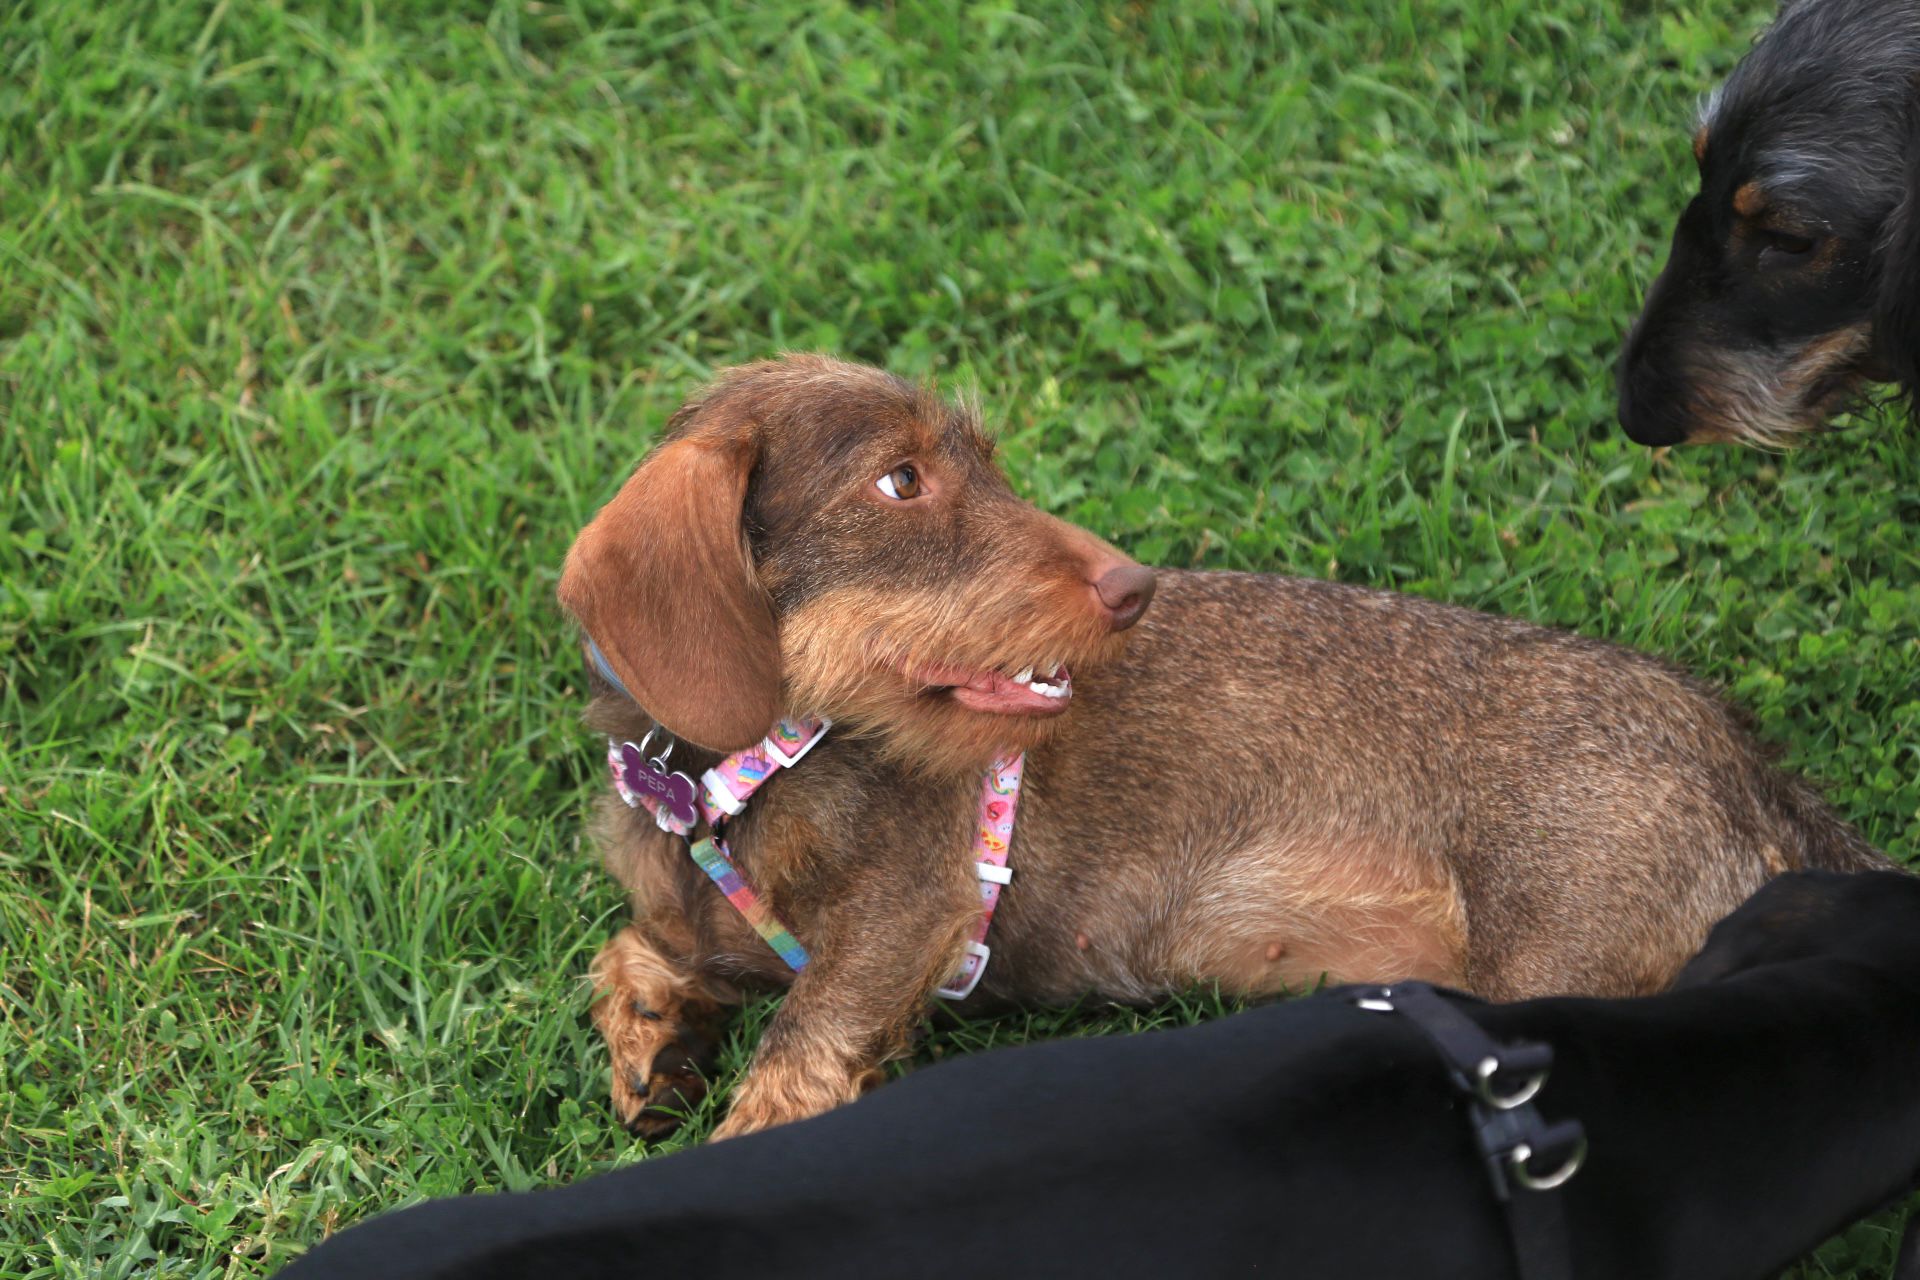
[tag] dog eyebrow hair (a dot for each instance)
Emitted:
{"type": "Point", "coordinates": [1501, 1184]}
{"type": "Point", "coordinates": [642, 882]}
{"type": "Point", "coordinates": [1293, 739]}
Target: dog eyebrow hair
{"type": "Point", "coordinates": [977, 436]}
{"type": "Point", "coordinates": [1802, 179]}
{"type": "Point", "coordinates": [1707, 110]}
{"type": "Point", "coordinates": [959, 419]}
{"type": "Point", "coordinates": [1789, 167]}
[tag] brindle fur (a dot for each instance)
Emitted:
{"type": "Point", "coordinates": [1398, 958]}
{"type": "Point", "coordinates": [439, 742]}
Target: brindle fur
{"type": "Point", "coordinates": [1265, 782]}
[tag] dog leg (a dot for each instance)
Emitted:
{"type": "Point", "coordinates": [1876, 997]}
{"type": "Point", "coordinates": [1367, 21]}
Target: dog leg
{"type": "Point", "coordinates": [855, 1006]}
{"type": "Point", "coordinates": [662, 1029]}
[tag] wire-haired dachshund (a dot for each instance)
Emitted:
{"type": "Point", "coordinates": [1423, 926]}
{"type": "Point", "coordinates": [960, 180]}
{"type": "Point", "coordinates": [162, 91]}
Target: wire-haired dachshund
{"type": "Point", "coordinates": [1230, 778]}
{"type": "Point", "coordinates": [1794, 281]}
{"type": "Point", "coordinates": [1731, 1125]}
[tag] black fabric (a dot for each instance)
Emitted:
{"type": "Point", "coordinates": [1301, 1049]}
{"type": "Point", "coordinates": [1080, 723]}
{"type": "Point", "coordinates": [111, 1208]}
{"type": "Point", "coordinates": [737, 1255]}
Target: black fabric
{"type": "Point", "coordinates": [1733, 1126]}
{"type": "Point", "coordinates": [1537, 1226]}
{"type": "Point", "coordinates": [1906, 1264]}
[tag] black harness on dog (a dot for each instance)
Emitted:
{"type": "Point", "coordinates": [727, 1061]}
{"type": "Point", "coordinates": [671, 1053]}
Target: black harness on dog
{"type": "Point", "coordinates": [1527, 1157]}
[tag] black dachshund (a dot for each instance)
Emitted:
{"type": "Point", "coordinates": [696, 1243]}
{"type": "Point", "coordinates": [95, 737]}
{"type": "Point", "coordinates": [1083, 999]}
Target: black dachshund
{"type": "Point", "coordinates": [1794, 281]}
{"type": "Point", "coordinates": [1733, 1123]}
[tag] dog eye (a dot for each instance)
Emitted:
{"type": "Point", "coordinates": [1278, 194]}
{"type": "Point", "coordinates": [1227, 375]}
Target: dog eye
{"type": "Point", "coordinates": [1786, 243]}
{"type": "Point", "coordinates": [901, 483]}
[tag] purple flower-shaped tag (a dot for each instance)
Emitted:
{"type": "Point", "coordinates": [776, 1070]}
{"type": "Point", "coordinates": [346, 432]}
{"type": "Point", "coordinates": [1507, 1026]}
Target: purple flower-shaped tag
{"type": "Point", "coordinates": [671, 791]}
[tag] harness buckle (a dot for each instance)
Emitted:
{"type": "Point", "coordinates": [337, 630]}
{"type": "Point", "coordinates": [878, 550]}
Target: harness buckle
{"type": "Point", "coordinates": [969, 977]}
{"type": "Point", "coordinates": [770, 744]}
{"type": "Point", "coordinates": [719, 795]}
{"type": "Point", "coordinates": [993, 873]}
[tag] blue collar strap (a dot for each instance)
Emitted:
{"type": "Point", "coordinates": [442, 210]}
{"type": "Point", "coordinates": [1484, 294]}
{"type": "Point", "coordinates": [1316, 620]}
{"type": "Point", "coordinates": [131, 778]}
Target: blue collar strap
{"type": "Point", "coordinates": [601, 665]}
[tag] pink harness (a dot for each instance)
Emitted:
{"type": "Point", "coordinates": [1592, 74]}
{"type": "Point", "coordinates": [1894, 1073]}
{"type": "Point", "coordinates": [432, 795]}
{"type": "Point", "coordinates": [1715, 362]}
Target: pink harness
{"type": "Point", "coordinates": [992, 834]}
{"type": "Point", "coordinates": [726, 788]}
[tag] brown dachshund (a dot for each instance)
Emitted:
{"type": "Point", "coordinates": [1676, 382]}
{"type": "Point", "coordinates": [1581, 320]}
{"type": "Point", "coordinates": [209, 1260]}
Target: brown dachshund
{"type": "Point", "coordinates": [1253, 781]}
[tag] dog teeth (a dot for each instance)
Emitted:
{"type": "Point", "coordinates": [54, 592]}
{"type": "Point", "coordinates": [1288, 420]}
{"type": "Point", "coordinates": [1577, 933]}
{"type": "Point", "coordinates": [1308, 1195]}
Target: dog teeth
{"type": "Point", "coordinates": [1053, 686]}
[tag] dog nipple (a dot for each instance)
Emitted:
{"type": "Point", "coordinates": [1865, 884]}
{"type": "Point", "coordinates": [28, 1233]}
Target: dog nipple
{"type": "Point", "coordinates": [1081, 941]}
{"type": "Point", "coordinates": [1275, 950]}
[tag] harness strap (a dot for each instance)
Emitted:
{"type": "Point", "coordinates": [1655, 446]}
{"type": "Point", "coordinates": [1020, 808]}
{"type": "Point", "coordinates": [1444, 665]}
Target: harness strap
{"type": "Point", "coordinates": [723, 794]}
{"type": "Point", "coordinates": [1527, 1157]}
{"type": "Point", "coordinates": [716, 860]}
{"type": "Point", "coordinates": [999, 799]}
{"type": "Point", "coordinates": [726, 788]}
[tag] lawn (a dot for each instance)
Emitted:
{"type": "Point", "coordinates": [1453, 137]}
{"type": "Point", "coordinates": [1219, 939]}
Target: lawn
{"type": "Point", "coordinates": [323, 327]}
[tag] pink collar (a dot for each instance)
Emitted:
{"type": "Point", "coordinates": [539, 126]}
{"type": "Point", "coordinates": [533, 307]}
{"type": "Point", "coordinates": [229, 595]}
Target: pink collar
{"type": "Point", "coordinates": [723, 794]}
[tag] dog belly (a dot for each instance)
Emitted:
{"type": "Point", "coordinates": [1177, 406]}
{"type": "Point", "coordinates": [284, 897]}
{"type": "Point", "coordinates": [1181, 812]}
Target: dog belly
{"type": "Point", "coordinates": [1286, 951]}
{"type": "Point", "coordinates": [1286, 918]}
{"type": "Point", "coordinates": [1262, 918]}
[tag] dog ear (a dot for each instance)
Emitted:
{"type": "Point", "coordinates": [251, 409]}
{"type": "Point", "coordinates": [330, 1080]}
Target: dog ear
{"type": "Point", "coordinates": [663, 582]}
{"type": "Point", "coordinates": [1896, 310]}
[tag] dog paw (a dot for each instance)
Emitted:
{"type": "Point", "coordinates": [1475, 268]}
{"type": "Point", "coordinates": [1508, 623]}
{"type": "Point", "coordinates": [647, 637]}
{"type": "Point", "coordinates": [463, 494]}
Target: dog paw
{"type": "Point", "coordinates": [772, 1096]}
{"type": "Point", "coordinates": [659, 1073]}
{"type": "Point", "coordinates": [661, 1040]}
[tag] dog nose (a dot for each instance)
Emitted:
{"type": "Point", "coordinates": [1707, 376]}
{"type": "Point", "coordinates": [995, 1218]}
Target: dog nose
{"type": "Point", "coordinates": [1125, 590]}
{"type": "Point", "coordinates": [1647, 401]}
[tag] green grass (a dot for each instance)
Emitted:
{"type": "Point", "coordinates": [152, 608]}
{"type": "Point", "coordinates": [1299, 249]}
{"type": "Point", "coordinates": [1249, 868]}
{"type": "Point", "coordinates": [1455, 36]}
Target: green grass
{"type": "Point", "coordinates": [322, 328]}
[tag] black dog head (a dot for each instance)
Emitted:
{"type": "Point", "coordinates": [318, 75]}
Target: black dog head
{"type": "Point", "coordinates": [1872, 916]}
{"type": "Point", "coordinates": [1795, 273]}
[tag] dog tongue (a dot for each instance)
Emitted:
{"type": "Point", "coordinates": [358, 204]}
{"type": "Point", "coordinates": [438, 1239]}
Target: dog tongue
{"type": "Point", "coordinates": [994, 693]}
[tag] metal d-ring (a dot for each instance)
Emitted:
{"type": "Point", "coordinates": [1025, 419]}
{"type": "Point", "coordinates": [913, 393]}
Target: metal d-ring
{"type": "Point", "coordinates": [1517, 1165]}
{"type": "Point", "coordinates": [659, 761]}
{"type": "Point", "coordinates": [1483, 1085]}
